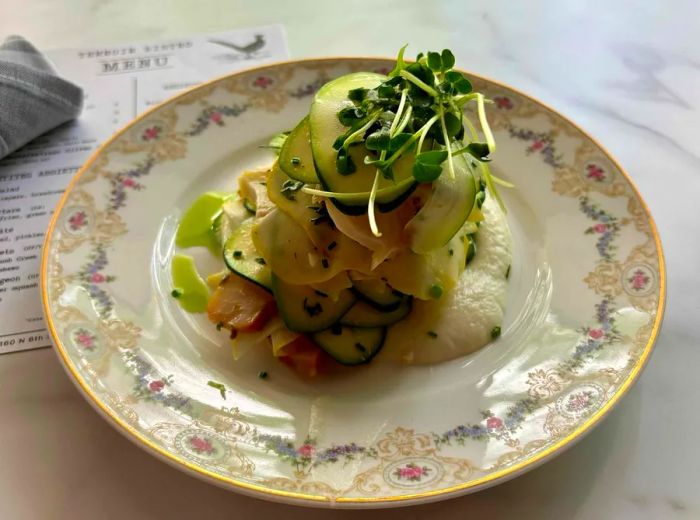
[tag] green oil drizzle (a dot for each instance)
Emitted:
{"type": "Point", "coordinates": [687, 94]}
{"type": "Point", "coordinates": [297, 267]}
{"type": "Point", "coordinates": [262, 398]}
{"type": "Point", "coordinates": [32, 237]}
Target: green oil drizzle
{"type": "Point", "coordinates": [192, 293]}
{"type": "Point", "coordinates": [197, 225]}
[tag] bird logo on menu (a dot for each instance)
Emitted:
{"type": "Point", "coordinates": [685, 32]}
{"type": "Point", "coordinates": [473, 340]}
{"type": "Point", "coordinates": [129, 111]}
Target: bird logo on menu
{"type": "Point", "coordinates": [248, 51]}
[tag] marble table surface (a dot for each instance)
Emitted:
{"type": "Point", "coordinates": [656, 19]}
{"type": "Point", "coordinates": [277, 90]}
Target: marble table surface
{"type": "Point", "coordinates": [628, 72]}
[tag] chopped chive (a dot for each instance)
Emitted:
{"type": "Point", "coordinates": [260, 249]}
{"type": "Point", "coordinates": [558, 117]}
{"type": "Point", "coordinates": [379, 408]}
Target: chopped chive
{"type": "Point", "coordinates": [495, 332]}
{"type": "Point", "coordinates": [220, 325]}
{"type": "Point", "coordinates": [296, 161]}
{"type": "Point", "coordinates": [435, 291]}
{"type": "Point", "coordinates": [176, 293]}
{"type": "Point", "coordinates": [261, 261]}
{"type": "Point", "coordinates": [359, 346]}
{"type": "Point", "coordinates": [332, 245]}
{"type": "Point", "coordinates": [432, 334]}
{"type": "Point", "coordinates": [508, 272]}
{"type": "Point", "coordinates": [324, 263]}
{"type": "Point", "coordinates": [451, 252]}
{"type": "Point", "coordinates": [219, 386]}
{"type": "Point", "coordinates": [238, 254]}
{"type": "Point", "coordinates": [262, 374]}
{"type": "Point", "coordinates": [321, 293]}
{"type": "Point", "coordinates": [312, 310]}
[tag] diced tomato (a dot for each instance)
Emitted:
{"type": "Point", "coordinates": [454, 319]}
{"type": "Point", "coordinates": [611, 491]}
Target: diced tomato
{"type": "Point", "coordinates": [241, 305]}
{"type": "Point", "coordinates": [303, 356]}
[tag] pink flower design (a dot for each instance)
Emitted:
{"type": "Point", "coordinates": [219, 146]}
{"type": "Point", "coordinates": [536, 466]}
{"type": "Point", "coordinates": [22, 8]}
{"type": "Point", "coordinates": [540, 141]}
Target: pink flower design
{"type": "Point", "coordinates": [503, 102]}
{"type": "Point", "coordinates": [639, 280]}
{"type": "Point", "coordinates": [156, 386]}
{"type": "Point", "coordinates": [307, 451]}
{"type": "Point", "coordinates": [216, 117]}
{"type": "Point", "coordinates": [77, 220]}
{"type": "Point", "coordinates": [596, 333]}
{"type": "Point", "coordinates": [600, 228]}
{"type": "Point", "coordinates": [579, 401]}
{"type": "Point", "coordinates": [85, 339]}
{"type": "Point", "coordinates": [201, 445]}
{"type": "Point", "coordinates": [595, 172]}
{"type": "Point", "coordinates": [412, 472]}
{"type": "Point", "coordinates": [97, 278]}
{"type": "Point", "coordinates": [128, 181]}
{"type": "Point", "coordinates": [151, 133]}
{"type": "Point", "coordinates": [537, 145]}
{"type": "Point", "coordinates": [494, 423]}
{"type": "Point", "coordinates": [262, 82]}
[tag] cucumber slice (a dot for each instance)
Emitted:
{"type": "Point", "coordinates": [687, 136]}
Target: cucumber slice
{"type": "Point", "coordinates": [351, 345]}
{"type": "Point", "coordinates": [362, 314]}
{"type": "Point", "coordinates": [378, 294]}
{"type": "Point", "coordinates": [305, 310]}
{"type": "Point", "coordinates": [242, 257]}
{"type": "Point", "coordinates": [325, 129]}
{"type": "Point", "coordinates": [295, 158]}
{"type": "Point", "coordinates": [445, 212]}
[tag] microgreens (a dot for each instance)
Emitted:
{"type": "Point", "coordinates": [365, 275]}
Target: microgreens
{"type": "Point", "coordinates": [417, 110]}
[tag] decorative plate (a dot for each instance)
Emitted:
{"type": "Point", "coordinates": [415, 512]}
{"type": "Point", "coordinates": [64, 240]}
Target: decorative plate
{"type": "Point", "coordinates": [585, 302]}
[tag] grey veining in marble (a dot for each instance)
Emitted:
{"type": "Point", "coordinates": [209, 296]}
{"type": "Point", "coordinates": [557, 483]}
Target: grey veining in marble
{"type": "Point", "coordinates": [628, 72]}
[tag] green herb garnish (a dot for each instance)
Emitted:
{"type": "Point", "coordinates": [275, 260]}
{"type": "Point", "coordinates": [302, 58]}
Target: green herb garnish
{"type": "Point", "coordinates": [324, 263]}
{"type": "Point", "coordinates": [176, 293]}
{"type": "Point", "coordinates": [261, 261]}
{"type": "Point", "coordinates": [435, 291]}
{"type": "Point", "coordinates": [432, 334]}
{"type": "Point", "coordinates": [262, 374]}
{"type": "Point", "coordinates": [418, 110]}
{"type": "Point", "coordinates": [321, 293]}
{"type": "Point", "coordinates": [237, 254]}
{"type": "Point", "coordinates": [296, 161]}
{"type": "Point", "coordinates": [495, 332]}
{"type": "Point", "coordinates": [290, 187]}
{"type": "Point", "coordinates": [219, 386]}
{"type": "Point", "coordinates": [508, 272]}
{"type": "Point", "coordinates": [332, 245]}
{"type": "Point", "coordinates": [220, 325]}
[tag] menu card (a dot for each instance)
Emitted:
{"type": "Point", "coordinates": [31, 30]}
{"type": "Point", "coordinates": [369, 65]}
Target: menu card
{"type": "Point", "coordinates": [120, 81]}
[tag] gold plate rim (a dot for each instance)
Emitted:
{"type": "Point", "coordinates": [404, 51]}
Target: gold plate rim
{"type": "Point", "coordinates": [349, 502]}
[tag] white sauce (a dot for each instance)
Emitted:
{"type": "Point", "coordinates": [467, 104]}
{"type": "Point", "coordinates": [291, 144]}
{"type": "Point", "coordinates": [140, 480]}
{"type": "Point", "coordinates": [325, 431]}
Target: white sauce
{"type": "Point", "coordinates": [463, 318]}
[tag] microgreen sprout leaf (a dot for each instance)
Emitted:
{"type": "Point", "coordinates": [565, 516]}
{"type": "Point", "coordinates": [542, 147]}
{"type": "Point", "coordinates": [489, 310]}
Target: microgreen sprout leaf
{"type": "Point", "coordinates": [453, 124]}
{"type": "Point", "coordinates": [357, 94]}
{"type": "Point", "coordinates": [350, 115]}
{"type": "Point", "coordinates": [344, 163]}
{"type": "Point", "coordinates": [434, 61]}
{"type": "Point", "coordinates": [400, 63]}
{"type": "Point", "coordinates": [378, 140]}
{"type": "Point", "coordinates": [463, 86]}
{"type": "Point", "coordinates": [428, 167]}
{"type": "Point", "coordinates": [426, 172]}
{"type": "Point", "coordinates": [480, 151]}
{"type": "Point", "coordinates": [448, 59]}
{"type": "Point", "coordinates": [398, 141]}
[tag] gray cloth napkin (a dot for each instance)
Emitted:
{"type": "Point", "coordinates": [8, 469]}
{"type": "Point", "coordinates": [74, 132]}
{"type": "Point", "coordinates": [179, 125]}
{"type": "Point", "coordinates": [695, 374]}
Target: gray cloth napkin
{"type": "Point", "coordinates": [33, 98]}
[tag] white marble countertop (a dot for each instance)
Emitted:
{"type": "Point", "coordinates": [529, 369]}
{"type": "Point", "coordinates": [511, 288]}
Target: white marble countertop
{"type": "Point", "coordinates": [629, 72]}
